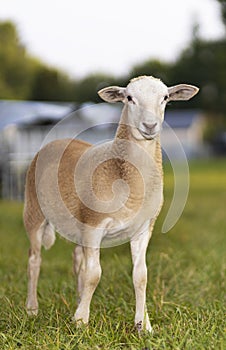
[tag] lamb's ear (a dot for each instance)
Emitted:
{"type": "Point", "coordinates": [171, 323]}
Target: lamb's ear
{"type": "Point", "coordinates": [182, 92]}
{"type": "Point", "coordinates": [112, 94]}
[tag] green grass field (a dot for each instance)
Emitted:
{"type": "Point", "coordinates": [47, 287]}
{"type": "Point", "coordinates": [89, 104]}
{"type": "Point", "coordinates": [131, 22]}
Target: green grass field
{"type": "Point", "coordinates": [186, 285]}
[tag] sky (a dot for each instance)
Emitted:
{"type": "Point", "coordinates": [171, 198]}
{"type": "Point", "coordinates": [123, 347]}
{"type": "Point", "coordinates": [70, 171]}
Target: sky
{"type": "Point", "coordinates": [85, 36]}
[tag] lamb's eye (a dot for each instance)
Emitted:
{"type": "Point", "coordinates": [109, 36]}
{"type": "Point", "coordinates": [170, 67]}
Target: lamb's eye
{"type": "Point", "coordinates": [166, 98]}
{"type": "Point", "coordinates": [129, 98]}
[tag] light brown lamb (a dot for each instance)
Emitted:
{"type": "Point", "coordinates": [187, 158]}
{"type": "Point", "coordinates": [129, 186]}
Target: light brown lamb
{"type": "Point", "coordinates": [102, 195]}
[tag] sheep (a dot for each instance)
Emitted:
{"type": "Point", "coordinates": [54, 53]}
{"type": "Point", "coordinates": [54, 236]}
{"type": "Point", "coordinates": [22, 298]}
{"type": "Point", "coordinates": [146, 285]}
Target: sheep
{"type": "Point", "coordinates": [102, 195]}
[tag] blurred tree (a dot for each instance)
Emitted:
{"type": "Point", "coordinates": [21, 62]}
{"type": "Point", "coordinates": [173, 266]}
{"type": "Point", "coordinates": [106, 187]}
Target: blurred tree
{"type": "Point", "coordinates": [203, 64]}
{"type": "Point", "coordinates": [15, 66]}
{"type": "Point", "coordinates": [24, 77]}
{"type": "Point", "coordinates": [88, 87]}
{"type": "Point", "coordinates": [152, 67]}
{"type": "Point", "coordinates": [50, 84]}
{"type": "Point", "coordinates": [223, 10]}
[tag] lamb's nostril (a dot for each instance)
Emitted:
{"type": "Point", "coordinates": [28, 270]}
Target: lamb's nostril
{"type": "Point", "coordinates": [149, 127]}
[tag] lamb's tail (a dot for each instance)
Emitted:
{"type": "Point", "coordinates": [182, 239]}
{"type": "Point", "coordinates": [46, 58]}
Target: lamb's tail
{"type": "Point", "coordinates": [48, 237]}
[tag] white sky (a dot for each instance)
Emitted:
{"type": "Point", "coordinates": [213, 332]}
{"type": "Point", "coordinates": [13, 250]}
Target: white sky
{"type": "Point", "coordinates": [82, 36]}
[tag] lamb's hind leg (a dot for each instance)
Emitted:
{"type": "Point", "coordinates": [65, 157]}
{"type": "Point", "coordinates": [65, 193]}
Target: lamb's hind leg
{"type": "Point", "coordinates": [44, 235]}
{"type": "Point", "coordinates": [34, 262]}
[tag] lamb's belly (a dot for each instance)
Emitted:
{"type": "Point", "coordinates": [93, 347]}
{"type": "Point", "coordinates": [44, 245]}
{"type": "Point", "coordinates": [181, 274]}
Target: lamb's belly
{"type": "Point", "coordinates": [112, 230]}
{"type": "Point", "coordinates": [118, 232]}
{"type": "Point", "coordinates": [109, 233]}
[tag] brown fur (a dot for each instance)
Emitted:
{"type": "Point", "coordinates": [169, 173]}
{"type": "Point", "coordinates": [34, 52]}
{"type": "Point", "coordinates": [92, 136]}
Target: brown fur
{"type": "Point", "coordinates": [103, 179]}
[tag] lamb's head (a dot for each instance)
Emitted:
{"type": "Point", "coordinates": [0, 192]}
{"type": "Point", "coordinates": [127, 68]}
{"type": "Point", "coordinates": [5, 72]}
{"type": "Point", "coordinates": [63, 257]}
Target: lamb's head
{"type": "Point", "coordinates": [145, 99]}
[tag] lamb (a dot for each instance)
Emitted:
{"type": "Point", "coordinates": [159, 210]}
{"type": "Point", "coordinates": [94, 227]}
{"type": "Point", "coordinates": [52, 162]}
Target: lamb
{"type": "Point", "coordinates": [102, 195]}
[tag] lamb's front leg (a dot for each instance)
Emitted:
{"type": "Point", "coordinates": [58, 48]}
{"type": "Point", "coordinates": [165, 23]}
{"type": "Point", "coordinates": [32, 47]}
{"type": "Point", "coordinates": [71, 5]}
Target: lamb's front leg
{"type": "Point", "coordinates": [138, 250]}
{"type": "Point", "coordinates": [91, 277]}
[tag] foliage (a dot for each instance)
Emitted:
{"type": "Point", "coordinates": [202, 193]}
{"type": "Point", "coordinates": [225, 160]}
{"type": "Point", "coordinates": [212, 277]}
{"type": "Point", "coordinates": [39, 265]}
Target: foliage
{"type": "Point", "coordinates": [50, 84]}
{"type": "Point", "coordinates": [203, 64]}
{"type": "Point", "coordinates": [185, 288]}
{"type": "Point", "coordinates": [87, 88]}
{"type": "Point", "coordinates": [16, 68]}
{"type": "Point", "coordinates": [223, 10]}
{"type": "Point", "coordinates": [153, 67]}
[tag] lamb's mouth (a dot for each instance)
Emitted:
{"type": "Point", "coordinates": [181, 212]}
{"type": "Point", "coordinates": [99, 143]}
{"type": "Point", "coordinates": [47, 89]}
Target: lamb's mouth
{"type": "Point", "coordinates": [147, 135]}
{"type": "Point", "coordinates": [149, 130]}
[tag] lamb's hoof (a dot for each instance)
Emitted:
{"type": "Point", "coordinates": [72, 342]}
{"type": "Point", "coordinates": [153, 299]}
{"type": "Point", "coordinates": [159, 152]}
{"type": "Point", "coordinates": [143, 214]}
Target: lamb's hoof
{"type": "Point", "coordinates": [149, 329]}
{"type": "Point", "coordinates": [140, 328]}
{"type": "Point", "coordinates": [32, 312]}
{"type": "Point", "coordinates": [80, 323]}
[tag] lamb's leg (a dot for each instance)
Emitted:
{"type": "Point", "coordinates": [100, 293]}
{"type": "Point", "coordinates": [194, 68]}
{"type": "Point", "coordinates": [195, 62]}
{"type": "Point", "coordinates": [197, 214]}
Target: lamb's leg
{"type": "Point", "coordinates": [91, 278]}
{"type": "Point", "coordinates": [79, 268]}
{"type": "Point", "coordinates": [138, 250]}
{"type": "Point", "coordinates": [34, 263]}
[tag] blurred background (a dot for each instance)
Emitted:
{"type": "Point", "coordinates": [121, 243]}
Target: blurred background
{"type": "Point", "coordinates": [55, 56]}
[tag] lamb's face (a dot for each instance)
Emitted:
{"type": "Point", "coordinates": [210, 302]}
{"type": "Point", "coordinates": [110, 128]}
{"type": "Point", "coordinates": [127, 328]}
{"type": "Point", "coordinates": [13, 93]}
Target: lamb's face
{"type": "Point", "coordinates": [145, 100]}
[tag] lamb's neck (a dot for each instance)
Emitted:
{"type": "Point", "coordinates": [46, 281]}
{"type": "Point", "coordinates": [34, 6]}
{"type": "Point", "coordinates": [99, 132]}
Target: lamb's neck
{"type": "Point", "coordinates": [126, 132]}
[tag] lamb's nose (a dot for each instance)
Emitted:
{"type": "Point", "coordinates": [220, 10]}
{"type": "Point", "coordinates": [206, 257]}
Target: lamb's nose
{"type": "Point", "coordinates": [149, 127]}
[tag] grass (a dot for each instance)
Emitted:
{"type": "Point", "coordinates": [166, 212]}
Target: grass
{"type": "Point", "coordinates": [185, 293]}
